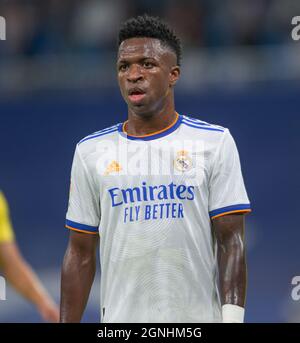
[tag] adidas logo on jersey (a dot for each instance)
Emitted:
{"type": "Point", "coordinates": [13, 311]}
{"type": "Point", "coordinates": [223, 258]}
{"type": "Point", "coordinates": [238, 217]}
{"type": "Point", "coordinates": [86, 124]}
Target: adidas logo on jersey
{"type": "Point", "coordinates": [114, 166]}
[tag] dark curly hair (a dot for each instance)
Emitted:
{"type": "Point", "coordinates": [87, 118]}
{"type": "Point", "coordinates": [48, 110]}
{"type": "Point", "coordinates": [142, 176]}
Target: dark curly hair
{"type": "Point", "coordinates": [151, 27]}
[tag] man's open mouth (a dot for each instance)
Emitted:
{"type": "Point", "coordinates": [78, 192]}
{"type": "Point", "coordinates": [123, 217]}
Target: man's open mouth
{"type": "Point", "coordinates": [136, 94]}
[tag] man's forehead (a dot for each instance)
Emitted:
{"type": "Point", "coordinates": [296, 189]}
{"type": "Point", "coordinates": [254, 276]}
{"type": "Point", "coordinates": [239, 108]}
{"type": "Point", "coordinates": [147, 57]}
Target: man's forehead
{"type": "Point", "coordinates": [148, 47]}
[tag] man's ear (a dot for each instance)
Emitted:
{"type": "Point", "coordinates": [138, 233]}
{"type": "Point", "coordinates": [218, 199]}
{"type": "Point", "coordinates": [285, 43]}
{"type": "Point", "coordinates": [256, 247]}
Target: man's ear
{"type": "Point", "coordinates": [174, 75]}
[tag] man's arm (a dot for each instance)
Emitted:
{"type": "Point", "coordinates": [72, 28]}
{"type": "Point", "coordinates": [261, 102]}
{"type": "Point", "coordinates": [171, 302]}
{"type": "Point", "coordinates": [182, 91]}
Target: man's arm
{"type": "Point", "coordinates": [20, 275]}
{"type": "Point", "coordinates": [77, 276]}
{"type": "Point", "coordinates": [229, 232]}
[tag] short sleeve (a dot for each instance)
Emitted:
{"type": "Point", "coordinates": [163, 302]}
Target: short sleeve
{"type": "Point", "coordinates": [83, 209]}
{"type": "Point", "coordinates": [227, 193]}
{"type": "Point", "coordinates": [6, 231]}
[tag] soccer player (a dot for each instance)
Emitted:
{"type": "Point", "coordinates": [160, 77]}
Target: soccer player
{"type": "Point", "coordinates": [164, 194]}
{"type": "Point", "coordinates": [18, 272]}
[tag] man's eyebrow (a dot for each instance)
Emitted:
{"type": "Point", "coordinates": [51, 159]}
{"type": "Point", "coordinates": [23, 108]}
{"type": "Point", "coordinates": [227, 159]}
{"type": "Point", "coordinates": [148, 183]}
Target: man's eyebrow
{"type": "Point", "coordinates": [125, 60]}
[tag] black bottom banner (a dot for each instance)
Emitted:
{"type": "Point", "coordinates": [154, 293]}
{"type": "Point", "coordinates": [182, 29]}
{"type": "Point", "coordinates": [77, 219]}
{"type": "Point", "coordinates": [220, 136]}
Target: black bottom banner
{"type": "Point", "coordinates": [149, 332]}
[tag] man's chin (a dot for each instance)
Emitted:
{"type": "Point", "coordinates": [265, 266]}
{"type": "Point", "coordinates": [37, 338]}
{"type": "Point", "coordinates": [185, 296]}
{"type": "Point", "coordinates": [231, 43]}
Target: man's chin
{"type": "Point", "coordinates": [140, 109]}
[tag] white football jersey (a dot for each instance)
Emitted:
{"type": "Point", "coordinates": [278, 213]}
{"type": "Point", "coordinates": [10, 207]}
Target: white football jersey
{"type": "Point", "coordinates": [151, 199]}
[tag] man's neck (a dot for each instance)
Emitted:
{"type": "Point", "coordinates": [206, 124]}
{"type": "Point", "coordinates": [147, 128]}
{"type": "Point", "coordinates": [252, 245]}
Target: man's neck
{"type": "Point", "coordinates": [139, 125]}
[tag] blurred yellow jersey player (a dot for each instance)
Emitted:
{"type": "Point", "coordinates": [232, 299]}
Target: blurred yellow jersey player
{"type": "Point", "coordinates": [18, 273]}
{"type": "Point", "coordinates": [6, 232]}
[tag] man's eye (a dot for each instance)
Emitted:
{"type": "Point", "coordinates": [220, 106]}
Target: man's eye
{"type": "Point", "coordinates": [148, 65]}
{"type": "Point", "coordinates": [123, 67]}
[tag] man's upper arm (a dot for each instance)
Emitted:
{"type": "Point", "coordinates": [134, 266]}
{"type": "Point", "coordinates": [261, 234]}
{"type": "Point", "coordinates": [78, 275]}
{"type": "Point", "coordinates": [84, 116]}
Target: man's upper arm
{"type": "Point", "coordinates": [229, 228]}
{"type": "Point", "coordinates": [82, 243]}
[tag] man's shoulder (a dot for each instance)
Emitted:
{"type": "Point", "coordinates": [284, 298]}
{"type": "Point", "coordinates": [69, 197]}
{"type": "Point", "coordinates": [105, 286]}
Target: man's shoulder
{"type": "Point", "coordinates": [88, 145]}
{"type": "Point", "coordinates": [99, 135]}
{"type": "Point", "coordinates": [198, 124]}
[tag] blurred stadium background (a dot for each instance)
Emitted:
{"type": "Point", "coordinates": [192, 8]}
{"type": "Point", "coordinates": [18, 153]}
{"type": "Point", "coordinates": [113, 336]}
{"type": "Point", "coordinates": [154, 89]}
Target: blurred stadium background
{"type": "Point", "coordinates": [241, 69]}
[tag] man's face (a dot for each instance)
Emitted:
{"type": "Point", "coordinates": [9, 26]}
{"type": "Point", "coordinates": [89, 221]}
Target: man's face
{"type": "Point", "coordinates": [147, 71]}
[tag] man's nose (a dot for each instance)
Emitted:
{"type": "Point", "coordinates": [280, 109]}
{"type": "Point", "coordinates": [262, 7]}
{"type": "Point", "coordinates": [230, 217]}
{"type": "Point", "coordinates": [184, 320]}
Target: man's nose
{"type": "Point", "coordinates": [134, 73]}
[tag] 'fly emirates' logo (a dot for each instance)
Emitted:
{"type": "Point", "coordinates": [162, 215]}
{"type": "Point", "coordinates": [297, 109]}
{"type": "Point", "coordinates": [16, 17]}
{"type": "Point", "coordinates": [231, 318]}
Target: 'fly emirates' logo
{"type": "Point", "coordinates": [166, 201]}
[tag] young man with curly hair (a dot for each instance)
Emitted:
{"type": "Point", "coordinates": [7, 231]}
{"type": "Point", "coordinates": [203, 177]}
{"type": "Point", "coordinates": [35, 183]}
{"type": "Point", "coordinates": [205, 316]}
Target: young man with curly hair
{"type": "Point", "coordinates": [164, 195]}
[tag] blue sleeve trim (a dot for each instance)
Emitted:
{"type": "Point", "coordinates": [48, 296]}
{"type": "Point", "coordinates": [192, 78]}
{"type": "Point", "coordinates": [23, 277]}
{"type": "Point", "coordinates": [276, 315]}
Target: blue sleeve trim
{"type": "Point", "coordinates": [83, 227]}
{"type": "Point", "coordinates": [229, 209]}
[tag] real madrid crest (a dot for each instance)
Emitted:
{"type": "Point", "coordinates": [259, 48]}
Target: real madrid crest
{"type": "Point", "coordinates": [183, 162]}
